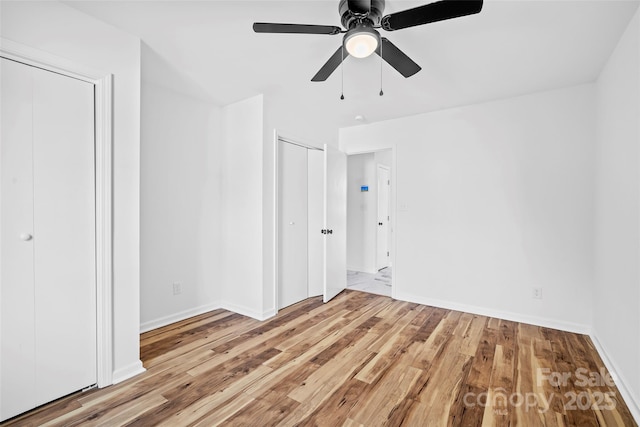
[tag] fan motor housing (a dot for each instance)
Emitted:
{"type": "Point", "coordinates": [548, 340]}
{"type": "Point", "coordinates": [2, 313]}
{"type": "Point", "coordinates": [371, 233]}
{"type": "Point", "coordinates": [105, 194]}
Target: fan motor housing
{"type": "Point", "coordinates": [350, 19]}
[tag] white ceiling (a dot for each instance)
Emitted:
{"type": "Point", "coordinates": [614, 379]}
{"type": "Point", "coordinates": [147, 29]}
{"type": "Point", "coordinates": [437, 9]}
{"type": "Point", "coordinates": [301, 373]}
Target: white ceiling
{"type": "Point", "coordinates": [208, 49]}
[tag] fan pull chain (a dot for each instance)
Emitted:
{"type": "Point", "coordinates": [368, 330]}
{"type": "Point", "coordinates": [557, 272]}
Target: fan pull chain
{"type": "Point", "coordinates": [381, 92]}
{"type": "Point", "coordinates": [342, 75]}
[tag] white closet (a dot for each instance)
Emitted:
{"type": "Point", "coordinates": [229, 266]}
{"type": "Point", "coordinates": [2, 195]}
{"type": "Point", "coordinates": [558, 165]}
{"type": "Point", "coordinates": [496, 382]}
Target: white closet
{"type": "Point", "coordinates": [300, 200]}
{"type": "Point", "coordinates": [311, 220]}
{"type": "Point", "coordinates": [47, 237]}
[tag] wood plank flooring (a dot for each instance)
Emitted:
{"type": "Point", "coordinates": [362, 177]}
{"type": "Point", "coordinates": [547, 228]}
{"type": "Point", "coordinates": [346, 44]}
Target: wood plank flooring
{"type": "Point", "coordinates": [360, 360]}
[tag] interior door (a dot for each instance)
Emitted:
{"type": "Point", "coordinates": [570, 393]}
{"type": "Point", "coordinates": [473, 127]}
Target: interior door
{"type": "Point", "coordinates": [316, 218]}
{"type": "Point", "coordinates": [335, 222]}
{"type": "Point", "coordinates": [17, 322]}
{"type": "Point", "coordinates": [382, 258]}
{"type": "Point", "coordinates": [292, 182]}
{"type": "Point", "coordinates": [47, 258]}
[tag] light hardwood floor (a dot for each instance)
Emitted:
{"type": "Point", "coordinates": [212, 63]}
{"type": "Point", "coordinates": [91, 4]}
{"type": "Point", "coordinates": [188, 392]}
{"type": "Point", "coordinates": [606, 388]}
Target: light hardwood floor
{"type": "Point", "coordinates": [361, 359]}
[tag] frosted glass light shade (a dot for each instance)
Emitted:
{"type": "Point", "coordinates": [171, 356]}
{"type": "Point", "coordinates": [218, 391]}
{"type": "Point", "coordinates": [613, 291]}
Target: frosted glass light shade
{"type": "Point", "coordinates": [361, 44]}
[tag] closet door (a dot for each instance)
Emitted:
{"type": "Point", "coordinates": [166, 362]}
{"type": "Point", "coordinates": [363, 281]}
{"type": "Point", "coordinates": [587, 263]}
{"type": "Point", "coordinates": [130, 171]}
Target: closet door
{"type": "Point", "coordinates": [17, 321]}
{"type": "Point", "coordinates": [315, 186]}
{"type": "Point", "coordinates": [335, 222]}
{"type": "Point", "coordinates": [64, 234]}
{"type": "Point", "coordinates": [48, 289]}
{"type": "Point", "coordinates": [293, 226]}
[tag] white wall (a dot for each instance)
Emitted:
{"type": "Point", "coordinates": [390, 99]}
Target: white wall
{"type": "Point", "coordinates": [62, 31]}
{"type": "Point", "coordinates": [493, 200]}
{"type": "Point", "coordinates": [616, 306]}
{"type": "Point", "coordinates": [180, 205]}
{"type": "Point", "coordinates": [232, 209]}
{"type": "Point", "coordinates": [362, 213]}
{"type": "Point", "coordinates": [242, 205]}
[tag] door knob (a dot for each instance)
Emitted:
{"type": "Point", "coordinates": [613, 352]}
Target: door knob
{"type": "Point", "coordinates": [26, 237]}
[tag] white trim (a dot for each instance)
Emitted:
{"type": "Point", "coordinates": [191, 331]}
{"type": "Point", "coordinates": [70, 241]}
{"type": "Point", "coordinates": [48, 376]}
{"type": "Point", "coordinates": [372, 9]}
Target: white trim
{"type": "Point", "coordinates": [186, 314]}
{"type": "Point", "coordinates": [267, 314]}
{"type": "Point", "coordinates": [245, 311]}
{"type": "Point", "coordinates": [42, 59]}
{"type": "Point", "coordinates": [499, 314]}
{"type": "Point", "coordinates": [103, 90]}
{"type": "Point", "coordinates": [127, 372]}
{"type": "Point", "coordinates": [628, 398]}
{"type": "Point", "coordinates": [276, 229]}
{"type": "Point", "coordinates": [177, 317]}
{"type": "Point", "coordinates": [104, 236]}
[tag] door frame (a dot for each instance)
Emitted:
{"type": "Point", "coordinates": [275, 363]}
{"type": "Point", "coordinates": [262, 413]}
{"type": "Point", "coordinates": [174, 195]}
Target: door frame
{"type": "Point", "coordinates": [393, 208]}
{"type": "Point", "coordinates": [277, 138]}
{"type": "Point", "coordinates": [103, 103]}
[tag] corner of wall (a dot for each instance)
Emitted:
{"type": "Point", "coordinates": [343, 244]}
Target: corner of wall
{"type": "Point", "coordinates": [633, 402]}
{"type": "Point", "coordinates": [126, 372]}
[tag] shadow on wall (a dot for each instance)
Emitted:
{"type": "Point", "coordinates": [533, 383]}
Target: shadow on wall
{"type": "Point", "coordinates": [159, 71]}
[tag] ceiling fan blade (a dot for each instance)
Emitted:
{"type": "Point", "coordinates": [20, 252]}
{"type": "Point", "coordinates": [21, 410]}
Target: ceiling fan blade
{"type": "Point", "coordinates": [397, 59]}
{"type": "Point", "coordinates": [267, 27]}
{"type": "Point", "coordinates": [434, 12]}
{"type": "Point", "coordinates": [359, 7]}
{"type": "Point", "coordinates": [331, 65]}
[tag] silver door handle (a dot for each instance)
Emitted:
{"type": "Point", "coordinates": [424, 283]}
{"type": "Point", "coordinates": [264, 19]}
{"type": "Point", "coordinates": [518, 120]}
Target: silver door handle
{"type": "Point", "coordinates": [26, 237]}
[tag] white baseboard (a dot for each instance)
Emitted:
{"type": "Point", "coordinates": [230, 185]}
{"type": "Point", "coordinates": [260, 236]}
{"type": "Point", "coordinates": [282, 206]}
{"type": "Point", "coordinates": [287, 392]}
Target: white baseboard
{"type": "Point", "coordinates": [245, 311]}
{"type": "Point", "coordinates": [185, 314]}
{"type": "Point", "coordinates": [127, 372]}
{"type": "Point", "coordinates": [506, 315]}
{"type": "Point", "coordinates": [176, 317]}
{"type": "Point", "coordinates": [269, 313]}
{"type": "Point", "coordinates": [632, 403]}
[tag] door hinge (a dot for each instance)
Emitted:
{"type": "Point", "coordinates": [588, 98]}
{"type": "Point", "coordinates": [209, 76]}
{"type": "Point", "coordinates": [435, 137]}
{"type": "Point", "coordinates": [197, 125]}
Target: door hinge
{"type": "Point", "coordinates": [387, 253]}
{"type": "Point", "coordinates": [388, 182]}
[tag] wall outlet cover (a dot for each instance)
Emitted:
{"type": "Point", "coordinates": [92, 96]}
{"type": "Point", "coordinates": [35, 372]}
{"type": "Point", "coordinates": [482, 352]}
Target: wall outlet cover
{"type": "Point", "coordinates": [177, 288]}
{"type": "Point", "coordinates": [537, 293]}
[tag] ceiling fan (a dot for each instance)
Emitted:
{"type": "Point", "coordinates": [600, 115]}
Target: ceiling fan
{"type": "Point", "coordinates": [363, 18]}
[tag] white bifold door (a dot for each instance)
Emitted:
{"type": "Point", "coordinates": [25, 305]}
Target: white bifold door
{"type": "Point", "coordinates": [293, 224]}
{"type": "Point", "coordinates": [47, 237]}
{"type": "Point", "coordinates": [312, 209]}
{"type": "Point", "coordinates": [335, 222]}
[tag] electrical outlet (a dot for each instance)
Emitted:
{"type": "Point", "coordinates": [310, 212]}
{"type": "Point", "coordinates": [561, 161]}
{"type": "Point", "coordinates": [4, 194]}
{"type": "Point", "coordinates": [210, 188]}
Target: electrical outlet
{"type": "Point", "coordinates": [537, 293]}
{"type": "Point", "coordinates": [177, 288]}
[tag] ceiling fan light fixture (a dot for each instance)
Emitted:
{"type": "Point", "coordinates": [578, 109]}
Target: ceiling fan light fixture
{"type": "Point", "coordinates": [361, 41]}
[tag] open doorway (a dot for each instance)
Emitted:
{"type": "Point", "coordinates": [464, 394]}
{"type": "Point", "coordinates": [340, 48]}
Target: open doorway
{"type": "Point", "coordinates": [369, 228]}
